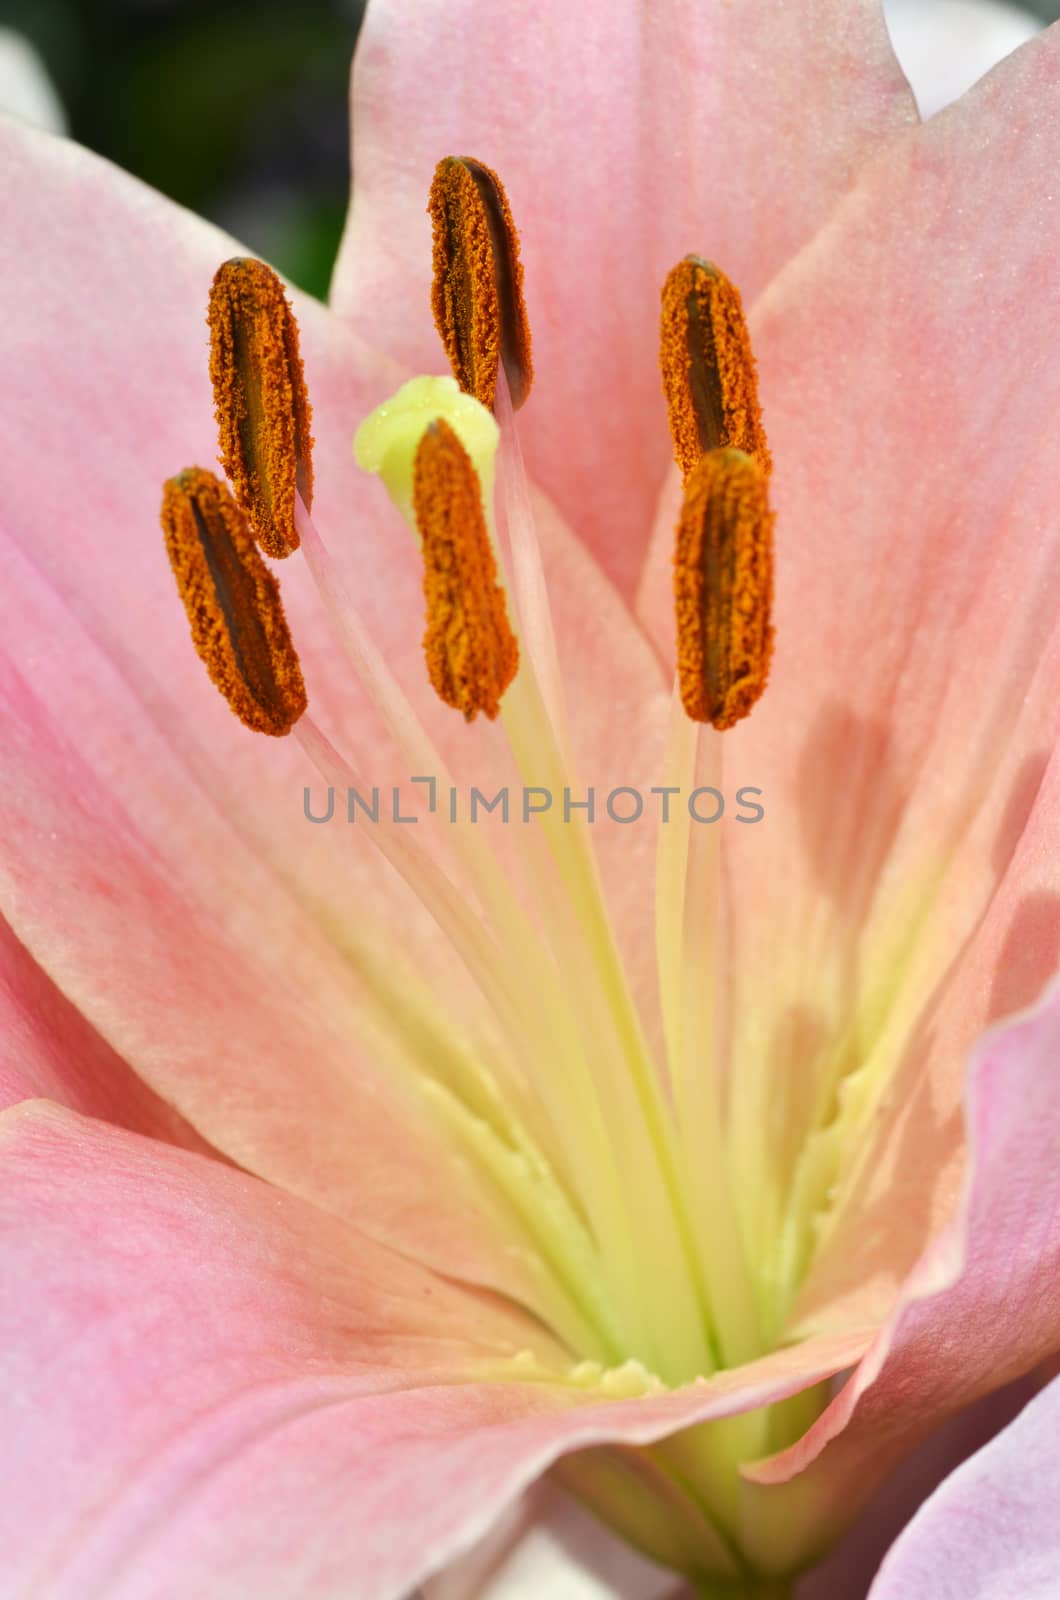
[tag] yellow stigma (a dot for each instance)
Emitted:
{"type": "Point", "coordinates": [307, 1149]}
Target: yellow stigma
{"type": "Point", "coordinates": [389, 437]}
{"type": "Point", "coordinates": [434, 448]}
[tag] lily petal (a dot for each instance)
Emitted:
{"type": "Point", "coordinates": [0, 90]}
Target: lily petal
{"type": "Point", "coordinates": [158, 1308]}
{"type": "Point", "coordinates": [991, 1529]}
{"type": "Point", "coordinates": [850, 1568]}
{"type": "Point", "coordinates": [902, 742]}
{"type": "Point", "coordinates": [981, 1307]}
{"type": "Point", "coordinates": [726, 130]}
{"type": "Point", "coordinates": [216, 1389]}
{"type": "Point", "coordinates": [48, 1050]}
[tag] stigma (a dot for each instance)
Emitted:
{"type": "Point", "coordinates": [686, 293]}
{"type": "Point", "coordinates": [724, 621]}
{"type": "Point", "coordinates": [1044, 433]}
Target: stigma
{"type": "Point", "coordinates": [723, 587]}
{"type": "Point", "coordinates": [387, 439]}
{"type": "Point", "coordinates": [261, 404]}
{"type": "Point", "coordinates": [232, 602]}
{"type": "Point", "coordinates": [477, 290]}
{"type": "Point", "coordinates": [708, 368]}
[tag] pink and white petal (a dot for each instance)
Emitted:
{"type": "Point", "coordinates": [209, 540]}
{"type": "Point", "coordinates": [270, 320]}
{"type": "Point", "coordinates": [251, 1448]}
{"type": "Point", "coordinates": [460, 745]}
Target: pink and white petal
{"type": "Point", "coordinates": [945, 46]}
{"type": "Point", "coordinates": [219, 981]}
{"type": "Point", "coordinates": [212, 1388]}
{"type": "Point", "coordinates": [158, 1308]}
{"type": "Point", "coordinates": [380, 1487]}
{"type": "Point", "coordinates": [906, 1180]}
{"type": "Point", "coordinates": [624, 143]}
{"type": "Point", "coordinates": [49, 1051]}
{"type": "Point", "coordinates": [912, 705]}
{"type": "Point", "coordinates": [981, 1307]}
{"type": "Point", "coordinates": [991, 1529]}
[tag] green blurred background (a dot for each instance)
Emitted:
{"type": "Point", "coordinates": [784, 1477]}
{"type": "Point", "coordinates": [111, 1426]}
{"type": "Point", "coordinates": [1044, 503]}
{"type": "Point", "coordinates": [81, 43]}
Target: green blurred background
{"type": "Point", "coordinates": [236, 109]}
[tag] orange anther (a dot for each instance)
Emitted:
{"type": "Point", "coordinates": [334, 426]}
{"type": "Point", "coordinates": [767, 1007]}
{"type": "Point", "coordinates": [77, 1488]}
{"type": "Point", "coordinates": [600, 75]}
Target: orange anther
{"type": "Point", "coordinates": [723, 588]}
{"type": "Point", "coordinates": [472, 654]}
{"type": "Point", "coordinates": [233, 603]}
{"type": "Point", "coordinates": [262, 408]}
{"type": "Point", "coordinates": [477, 294]}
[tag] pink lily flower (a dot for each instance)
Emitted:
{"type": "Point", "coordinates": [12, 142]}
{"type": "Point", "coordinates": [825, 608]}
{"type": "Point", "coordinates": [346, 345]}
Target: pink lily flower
{"type": "Point", "coordinates": [326, 1233]}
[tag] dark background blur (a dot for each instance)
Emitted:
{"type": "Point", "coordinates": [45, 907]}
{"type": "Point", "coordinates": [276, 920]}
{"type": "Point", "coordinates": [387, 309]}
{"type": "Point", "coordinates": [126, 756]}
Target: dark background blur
{"type": "Point", "coordinates": [235, 109]}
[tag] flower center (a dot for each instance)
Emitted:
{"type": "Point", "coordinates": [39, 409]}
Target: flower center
{"type": "Point", "coordinates": [615, 1166]}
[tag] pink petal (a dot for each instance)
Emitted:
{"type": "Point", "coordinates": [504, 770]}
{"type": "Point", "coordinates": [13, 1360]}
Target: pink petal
{"type": "Point", "coordinates": [148, 925]}
{"type": "Point", "coordinates": [848, 1569]}
{"type": "Point", "coordinates": [991, 1530]}
{"type": "Point", "coordinates": [217, 1389]}
{"type": "Point", "coordinates": [909, 370]}
{"type": "Point", "coordinates": [912, 1167]}
{"type": "Point", "coordinates": [160, 1311]}
{"type": "Point", "coordinates": [47, 1049]}
{"type": "Point", "coordinates": [624, 143]}
{"type": "Point", "coordinates": [981, 1307]}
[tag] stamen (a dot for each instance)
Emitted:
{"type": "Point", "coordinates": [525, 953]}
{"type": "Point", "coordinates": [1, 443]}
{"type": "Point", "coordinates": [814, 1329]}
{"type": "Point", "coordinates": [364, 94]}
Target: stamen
{"type": "Point", "coordinates": [233, 603]}
{"type": "Point", "coordinates": [477, 294]}
{"type": "Point", "coordinates": [723, 588]}
{"type": "Point", "coordinates": [262, 408]}
{"type": "Point", "coordinates": [471, 651]}
{"type": "Point", "coordinates": [708, 367]}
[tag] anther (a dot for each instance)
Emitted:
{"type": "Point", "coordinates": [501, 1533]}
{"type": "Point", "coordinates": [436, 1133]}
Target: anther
{"type": "Point", "coordinates": [723, 588]}
{"type": "Point", "coordinates": [708, 367]}
{"type": "Point", "coordinates": [233, 603]}
{"type": "Point", "coordinates": [262, 408]}
{"type": "Point", "coordinates": [472, 654]}
{"type": "Point", "coordinates": [477, 294]}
